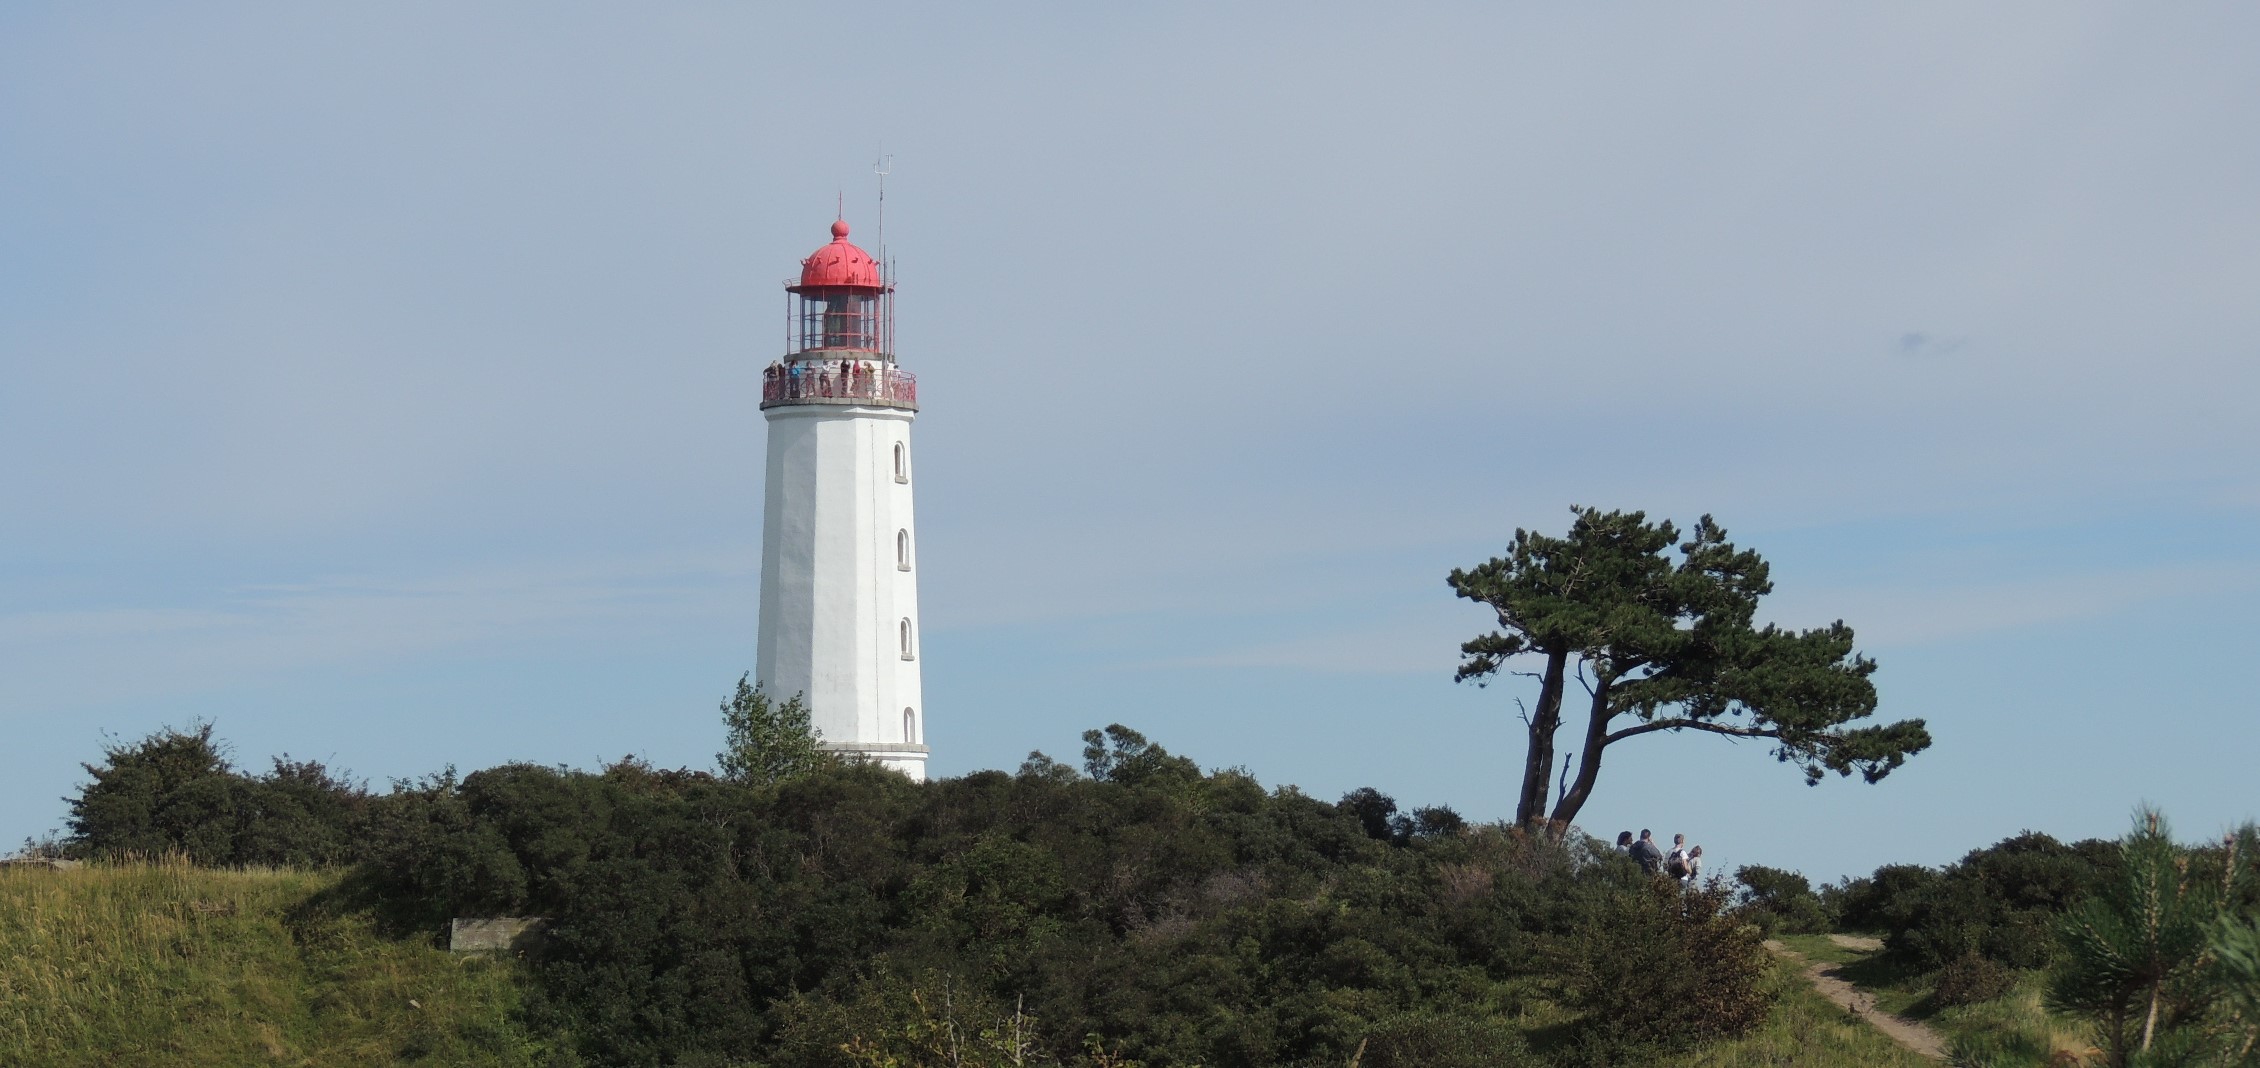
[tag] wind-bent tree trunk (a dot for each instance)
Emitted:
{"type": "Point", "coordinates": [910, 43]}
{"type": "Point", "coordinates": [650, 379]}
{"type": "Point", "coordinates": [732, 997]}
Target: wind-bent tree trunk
{"type": "Point", "coordinates": [1665, 645]}
{"type": "Point", "coordinates": [1588, 760]}
{"type": "Point", "coordinates": [1543, 723]}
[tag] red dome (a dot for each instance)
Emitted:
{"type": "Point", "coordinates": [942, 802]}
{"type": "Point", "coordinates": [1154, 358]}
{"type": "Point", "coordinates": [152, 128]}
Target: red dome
{"type": "Point", "coordinates": [838, 265]}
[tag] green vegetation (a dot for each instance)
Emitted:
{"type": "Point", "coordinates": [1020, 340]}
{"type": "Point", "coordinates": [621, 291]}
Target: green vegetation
{"type": "Point", "coordinates": [767, 742]}
{"type": "Point", "coordinates": [1135, 910]}
{"type": "Point", "coordinates": [1806, 1031]}
{"type": "Point", "coordinates": [1664, 645]}
{"type": "Point", "coordinates": [2001, 903]}
{"type": "Point", "coordinates": [801, 911]}
{"type": "Point", "coordinates": [175, 793]}
{"type": "Point", "coordinates": [2009, 1029]}
{"type": "Point", "coordinates": [166, 963]}
{"type": "Point", "coordinates": [2139, 958]}
{"type": "Point", "coordinates": [2140, 953]}
{"type": "Point", "coordinates": [1780, 902]}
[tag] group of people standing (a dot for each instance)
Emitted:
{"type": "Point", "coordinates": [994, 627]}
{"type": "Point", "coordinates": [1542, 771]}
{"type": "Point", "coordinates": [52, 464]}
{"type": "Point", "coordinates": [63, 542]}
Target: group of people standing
{"type": "Point", "coordinates": [1683, 863]}
{"type": "Point", "coordinates": [846, 378]}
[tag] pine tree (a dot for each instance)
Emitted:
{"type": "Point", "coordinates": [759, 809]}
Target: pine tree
{"type": "Point", "coordinates": [1664, 645]}
{"type": "Point", "coordinates": [2236, 946]}
{"type": "Point", "coordinates": [2138, 958]}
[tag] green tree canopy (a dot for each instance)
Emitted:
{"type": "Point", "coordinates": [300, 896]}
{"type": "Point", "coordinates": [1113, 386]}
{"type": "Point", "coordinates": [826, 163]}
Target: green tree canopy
{"type": "Point", "coordinates": [175, 792]}
{"type": "Point", "coordinates": [1664, 644]}
{"type": "Point", "coordinates": [768, 742]}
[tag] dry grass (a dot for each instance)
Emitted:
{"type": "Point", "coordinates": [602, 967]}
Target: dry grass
{"type": "Point", "coordinates": [164, 963]}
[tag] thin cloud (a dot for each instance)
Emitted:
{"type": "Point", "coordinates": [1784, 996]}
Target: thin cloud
{"type": "Point", "coordinates": [259, 631]}
{"type": "Point", "coordinates": [1916, 343]}
{"type": "Point", "coordinates": [1884, 618]}
{"type": "Point", "coordinates": [1902, 617]}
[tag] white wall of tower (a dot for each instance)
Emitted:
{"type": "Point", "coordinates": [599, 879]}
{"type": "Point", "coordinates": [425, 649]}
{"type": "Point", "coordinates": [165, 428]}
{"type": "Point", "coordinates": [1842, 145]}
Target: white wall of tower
{"type": "Point", "coordinates": [839, 579]}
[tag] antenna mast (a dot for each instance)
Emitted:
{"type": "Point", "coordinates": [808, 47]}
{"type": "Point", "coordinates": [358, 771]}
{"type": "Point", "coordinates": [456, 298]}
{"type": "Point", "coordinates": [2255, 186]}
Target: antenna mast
{"type": "Point", "coordinates": [883, 166]}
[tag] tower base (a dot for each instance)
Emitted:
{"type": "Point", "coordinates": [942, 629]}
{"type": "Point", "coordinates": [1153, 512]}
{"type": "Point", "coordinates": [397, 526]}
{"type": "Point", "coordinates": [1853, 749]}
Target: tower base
{"type": "Point", "coordinates": [910, 760]}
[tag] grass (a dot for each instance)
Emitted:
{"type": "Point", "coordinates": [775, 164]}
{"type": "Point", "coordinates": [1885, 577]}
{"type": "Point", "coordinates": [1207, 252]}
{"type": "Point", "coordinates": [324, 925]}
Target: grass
{"type": "Point", "coordinates": [1806, 1031]}
{"type": "Point", "coordinates": [2012, 1031]}
{"type": "Point", "coordinates": [168, 964]}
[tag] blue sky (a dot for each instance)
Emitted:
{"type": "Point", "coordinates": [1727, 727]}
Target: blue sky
{"type": "Point", "coordinates": [380, 383]}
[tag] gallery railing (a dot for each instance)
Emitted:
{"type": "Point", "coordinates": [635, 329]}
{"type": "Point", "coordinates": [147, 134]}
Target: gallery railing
{"type": "Point", "coordinates": [815, 382]}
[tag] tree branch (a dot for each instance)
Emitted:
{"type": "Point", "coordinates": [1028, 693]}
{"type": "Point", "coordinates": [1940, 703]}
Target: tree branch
{"type": "Point", "coordinates": [1693, 725]}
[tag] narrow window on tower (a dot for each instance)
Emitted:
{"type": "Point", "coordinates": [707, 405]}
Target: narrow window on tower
{"type": "Point", "coordinates": [902, 462]}
{"type": "Point", "coordinates": [902, 550]}
{"type": "Point", "coordinates": [909, 727]}
{"type": "Point", "coordinates": [908, 652]}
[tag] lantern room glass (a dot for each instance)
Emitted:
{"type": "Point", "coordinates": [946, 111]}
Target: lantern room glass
{"type": "Point", "coordinates": [840, 319]}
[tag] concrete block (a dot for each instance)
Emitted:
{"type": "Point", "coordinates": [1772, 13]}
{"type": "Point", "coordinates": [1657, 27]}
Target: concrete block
{"type": "Point", "coordinates": [494, 934]}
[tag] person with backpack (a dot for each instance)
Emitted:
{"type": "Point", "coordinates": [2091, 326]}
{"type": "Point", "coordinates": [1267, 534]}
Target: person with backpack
{"type": "Point", "coordinates": [1645, 851]}
{"type": "Point", "coordinates": [1679, 863]}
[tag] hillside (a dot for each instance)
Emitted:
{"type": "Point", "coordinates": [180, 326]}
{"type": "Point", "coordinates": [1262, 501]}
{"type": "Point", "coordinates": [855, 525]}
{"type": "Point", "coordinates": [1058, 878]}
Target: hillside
{"type": "Point", "coordinates": [165, 964]}
{"type": "Point", "coordinates": [1136, 911]}
{"type": "Point", "coordinates": [168, 964]}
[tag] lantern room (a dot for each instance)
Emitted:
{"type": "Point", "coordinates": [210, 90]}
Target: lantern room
{"type": "Point", "coordinates": [842, 306]}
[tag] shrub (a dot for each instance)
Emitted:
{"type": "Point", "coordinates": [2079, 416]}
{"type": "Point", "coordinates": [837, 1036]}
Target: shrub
{"type": "Point", "coordinates": [2000, 902]}
{"type": "Point", "coordinates": [299, 814]}
{"type": "Point", "coordinates": [174, 792]}
{"type": "Point", "coordinates": [1650, 964]}
{"type": "Point", "coordinates": [888, 1020]}
{"type": "Point", "coordinates": [1377, 814]}
{"type": "Point", "coordinates": [1138, 911]}
{"type": "Point", "coordinates": [1172, 916]}
{"type": "Point", "coordinates": [1970, 979]}
{"type": "Point", "coordinates": [1430, 1040]}
{"type": "Point", "coordinates": [1883, 901]}
{"type": "Point", "coordinates": [1778, 900]}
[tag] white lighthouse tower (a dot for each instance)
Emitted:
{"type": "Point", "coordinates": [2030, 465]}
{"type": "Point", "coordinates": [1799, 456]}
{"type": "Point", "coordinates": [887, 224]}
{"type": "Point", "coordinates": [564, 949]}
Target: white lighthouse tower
{"type": "Point", "coordinates": [839, 579]}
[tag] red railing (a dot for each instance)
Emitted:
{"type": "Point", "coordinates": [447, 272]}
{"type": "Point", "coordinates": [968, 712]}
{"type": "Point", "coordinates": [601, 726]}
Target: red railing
{"type": "Point", "coordinates": [839, 382]}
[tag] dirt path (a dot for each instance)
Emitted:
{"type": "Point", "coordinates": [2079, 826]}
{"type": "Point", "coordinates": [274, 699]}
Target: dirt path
{"type": "Point", "coordinates": [1906, 1032]}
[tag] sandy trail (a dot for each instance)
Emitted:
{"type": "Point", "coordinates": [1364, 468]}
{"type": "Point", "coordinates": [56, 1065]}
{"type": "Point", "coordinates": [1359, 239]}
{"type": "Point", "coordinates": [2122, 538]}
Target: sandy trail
{"type": "Point", "coordinates": [1915, 1036]}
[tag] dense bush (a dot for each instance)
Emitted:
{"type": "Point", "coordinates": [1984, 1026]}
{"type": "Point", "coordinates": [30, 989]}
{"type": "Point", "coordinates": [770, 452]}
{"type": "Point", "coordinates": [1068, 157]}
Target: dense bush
{"type": "Point", "coordinates": [1697, 974]}
{"type": "Point", "coordinates": [1779, 901]}
{"type": "Point", "coordinates": [1166, 915]}
{"type": "Point", "coordinates": [1877, 902]}
{"type": "Point", "coordinates": [175, 792]}
{"type": "Point", "coordinates": [1970, 979]}
{"type": "Point", "coordinates": [2000, 903]}
{"type": "Point", "coordinates": [1435, 1040]}
{"type": "Point", "coordinates": [1136, 910]}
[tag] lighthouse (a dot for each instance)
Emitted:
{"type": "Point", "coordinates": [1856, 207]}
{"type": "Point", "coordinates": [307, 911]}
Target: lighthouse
{"type": "Point", "coordinates": [839, 559]}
